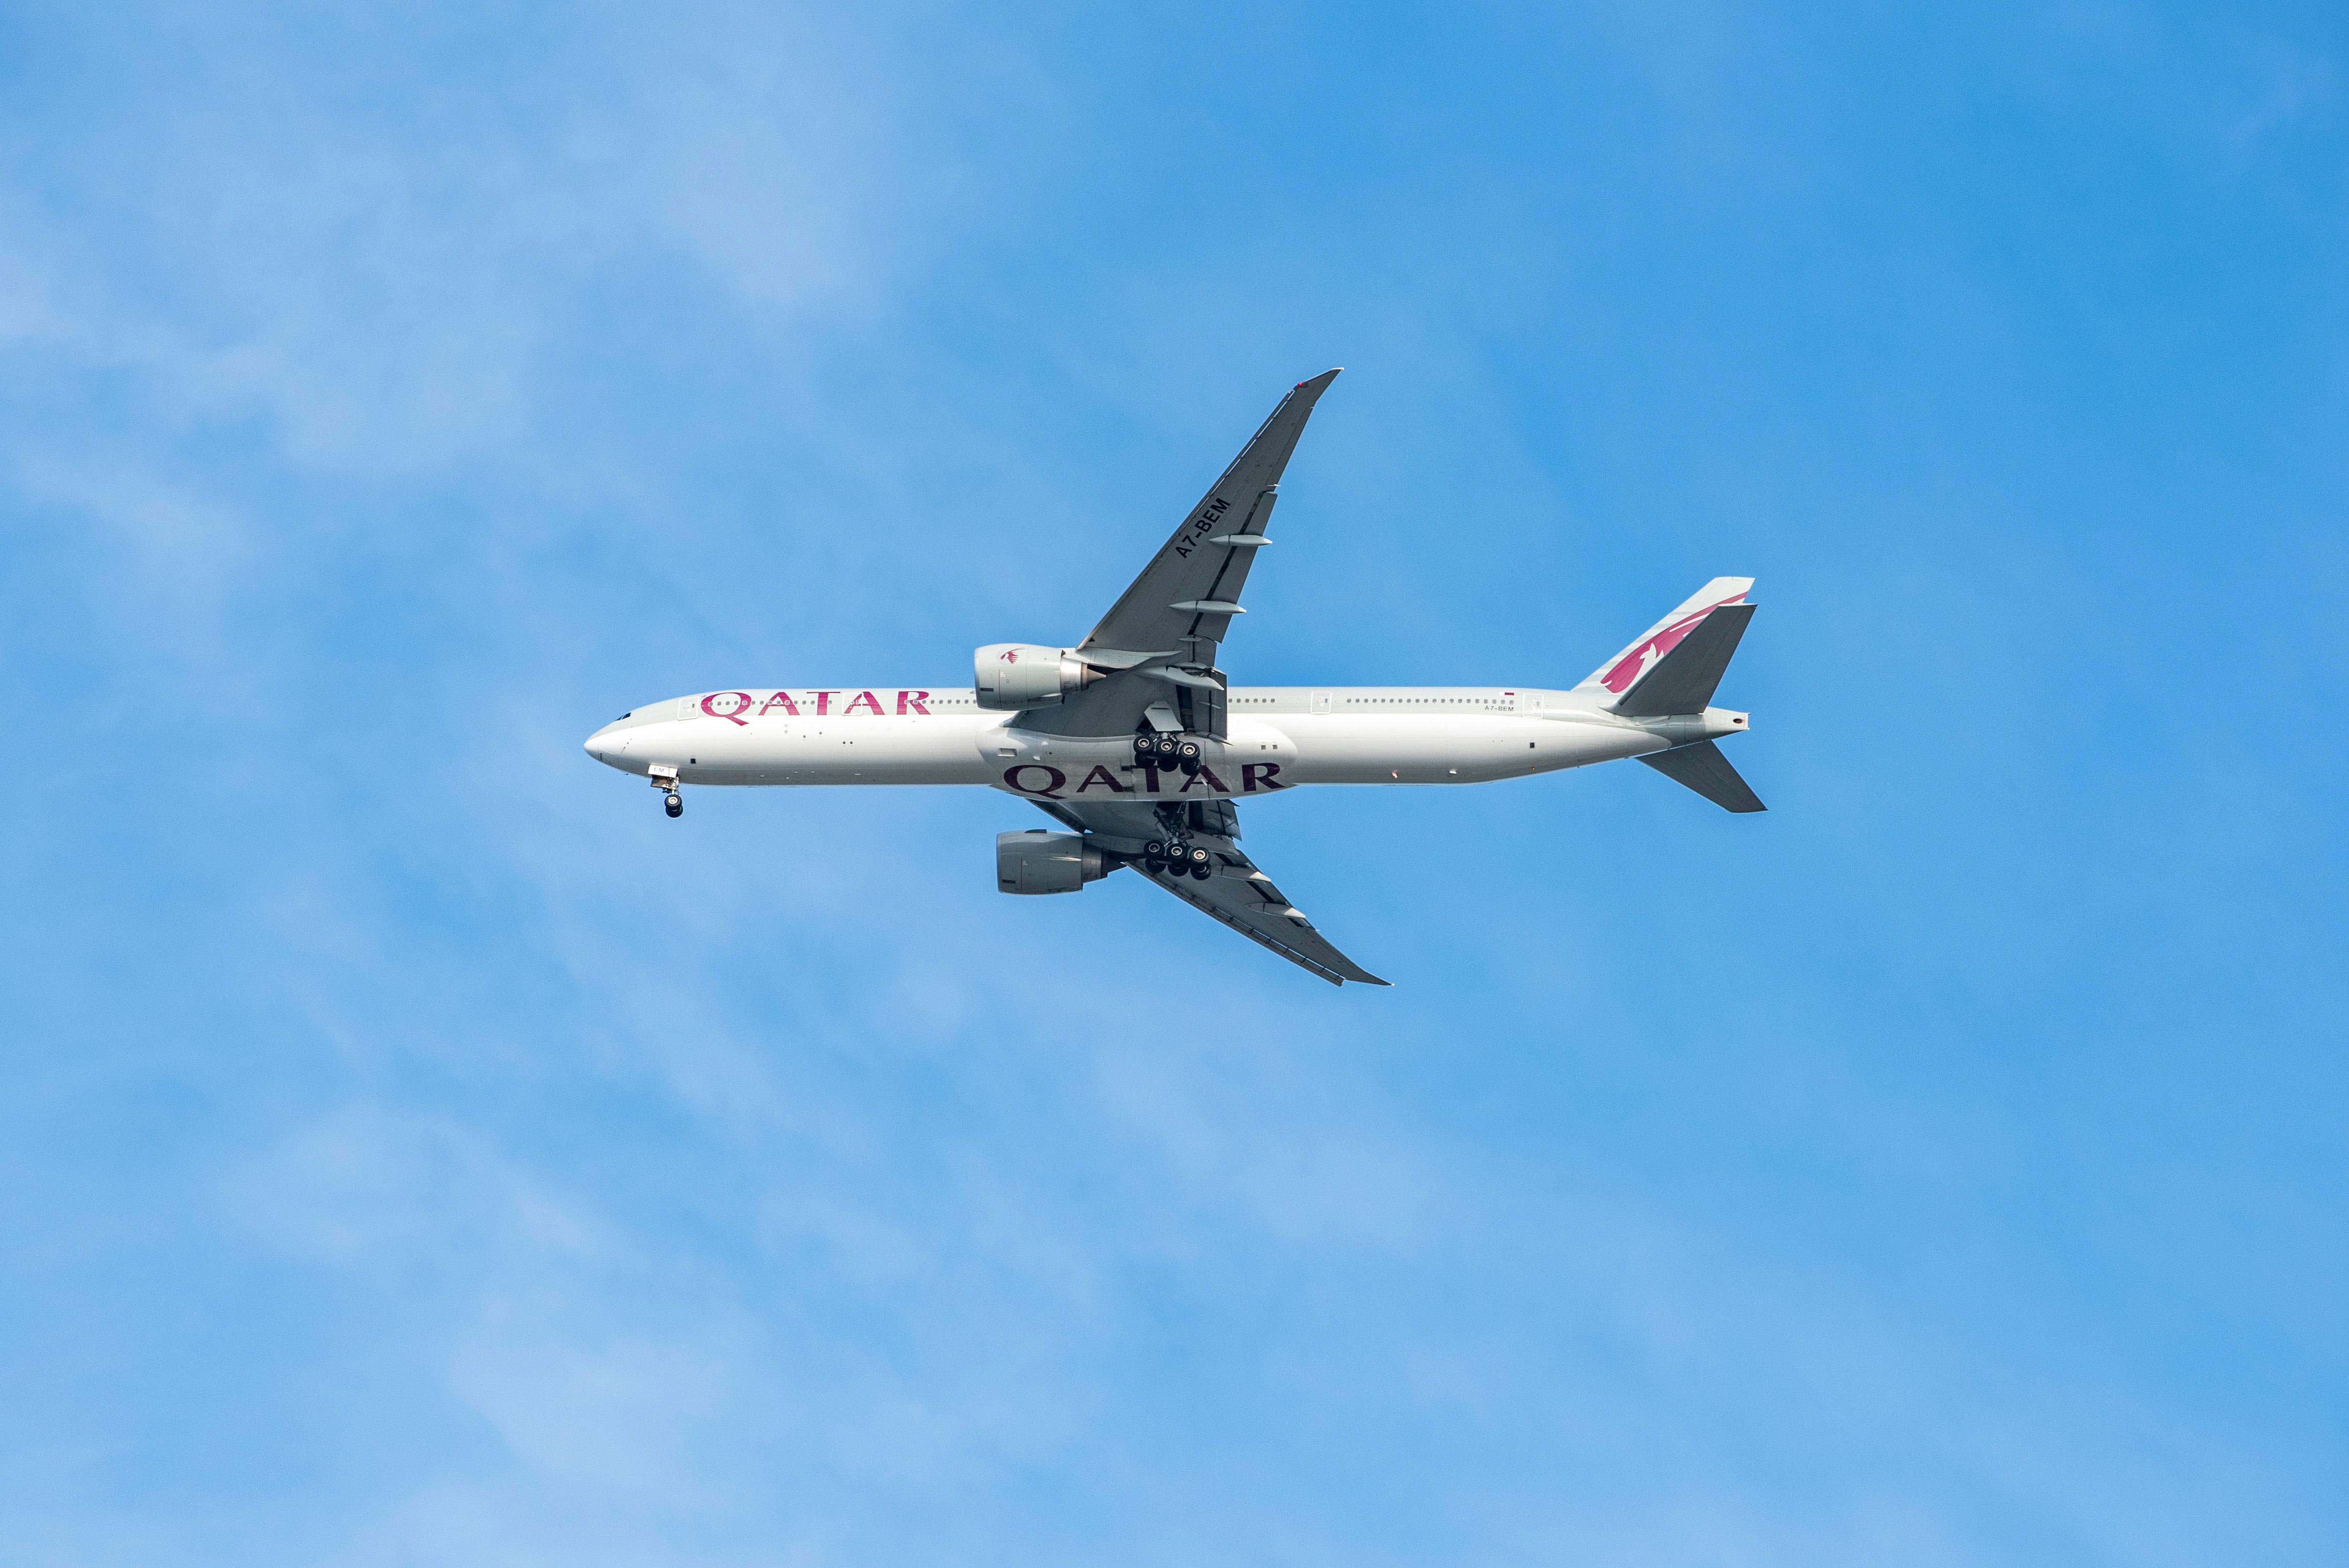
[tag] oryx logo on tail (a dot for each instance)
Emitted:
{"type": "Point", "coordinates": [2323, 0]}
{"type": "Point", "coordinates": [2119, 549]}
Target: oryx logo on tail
{"type": "Point", "coordinates": [1634, 664]}
{"type": "Point", "coordinates": [1621, 673]}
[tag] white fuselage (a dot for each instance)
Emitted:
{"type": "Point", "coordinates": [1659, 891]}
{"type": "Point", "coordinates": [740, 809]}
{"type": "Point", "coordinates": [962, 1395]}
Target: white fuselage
{"type": "Point", "coordinates": [1278, 738]}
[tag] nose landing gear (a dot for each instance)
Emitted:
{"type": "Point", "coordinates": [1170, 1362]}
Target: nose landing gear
{"type": "Point", "coordinates": [661, 776]}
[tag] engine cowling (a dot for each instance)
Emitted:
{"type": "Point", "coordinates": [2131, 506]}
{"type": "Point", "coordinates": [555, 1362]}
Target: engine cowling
{"type": "Point", "coordinates": [1039, 861]}
{"type": "Point", "coordinates": [1013, 676]}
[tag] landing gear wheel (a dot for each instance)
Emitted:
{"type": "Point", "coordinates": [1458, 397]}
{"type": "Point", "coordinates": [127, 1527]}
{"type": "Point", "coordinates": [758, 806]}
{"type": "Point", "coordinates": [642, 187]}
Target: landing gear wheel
{"type": "Point", "coordinates": [1153, 850]}
{"type": "Point", "coordinates": [1190, 767]}
{"type": "Point", "coordinates": [1144, 747]}
{"type": "Point", "coordinates": [1200, 873]}
{"type": "Point", "coordinates": [1189, 752]}
{"type": "Point", "coordinates": [1153, 868]}
{"type": "Point", "coordinates": [1166, 748]}
{"type": "Point", "coordinates": [674, 805]}
{"type": "Point", "coordinates": [1197, 861]}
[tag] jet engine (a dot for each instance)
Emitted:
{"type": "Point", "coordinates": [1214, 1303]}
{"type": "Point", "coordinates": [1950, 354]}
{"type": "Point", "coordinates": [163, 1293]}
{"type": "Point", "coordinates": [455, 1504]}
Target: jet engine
{"type": "Point", "coordinates": [1041, 862]}
{"type": "Point", "coordinates": [1014, 676]}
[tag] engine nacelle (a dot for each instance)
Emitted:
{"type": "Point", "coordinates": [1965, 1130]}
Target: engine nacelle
{"type": "Point", "coordinates": [1013, 676]}
{"type": "Point", "coordinates": [1039, 861]}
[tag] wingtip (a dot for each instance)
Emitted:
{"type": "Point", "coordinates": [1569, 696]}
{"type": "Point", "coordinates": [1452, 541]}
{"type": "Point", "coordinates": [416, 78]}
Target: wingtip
{"type": "Point", "coordinates": [1321, 380]}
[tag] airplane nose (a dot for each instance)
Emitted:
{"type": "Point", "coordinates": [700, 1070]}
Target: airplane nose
{"type": "Point", "coordinates": [606, 744]}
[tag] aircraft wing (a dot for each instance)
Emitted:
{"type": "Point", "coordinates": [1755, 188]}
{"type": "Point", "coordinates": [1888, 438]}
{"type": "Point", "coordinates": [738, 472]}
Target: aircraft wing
{"type": "Point", "coordinates": [1162, 633]}
{"type": "Point", "coordinates": [1238, 894]}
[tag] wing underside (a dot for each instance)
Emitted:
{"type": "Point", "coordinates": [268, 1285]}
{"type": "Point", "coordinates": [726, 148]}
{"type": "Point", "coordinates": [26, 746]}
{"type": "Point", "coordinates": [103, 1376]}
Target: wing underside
{"type": "Point", "coordinates": [1245, 899]}
{"type": "Point", "coordinates": [1154, 654]}
{"type": "Point", "coordinates": [1161, 638]}
{"type": "Point", "coordinates": [1234, 892]}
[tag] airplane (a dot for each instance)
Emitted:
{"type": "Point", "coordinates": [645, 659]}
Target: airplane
{"type": "Point", "coordinates": [1136, 743]}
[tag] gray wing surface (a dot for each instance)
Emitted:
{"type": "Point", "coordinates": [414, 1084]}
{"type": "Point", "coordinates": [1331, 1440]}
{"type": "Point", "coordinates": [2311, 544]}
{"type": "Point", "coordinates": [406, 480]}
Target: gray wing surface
{"type": "Point", "coordinates": [1238, 894]}
{"type": "Point", "coordinates": [1164, 632]}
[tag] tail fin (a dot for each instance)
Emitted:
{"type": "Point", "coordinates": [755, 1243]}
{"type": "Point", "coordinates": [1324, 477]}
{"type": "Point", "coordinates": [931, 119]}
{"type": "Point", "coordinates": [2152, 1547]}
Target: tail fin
{"type": "Point", "coordinates": [1704, 769]}
{"type": "Point", "coordinates": [1674, 665]}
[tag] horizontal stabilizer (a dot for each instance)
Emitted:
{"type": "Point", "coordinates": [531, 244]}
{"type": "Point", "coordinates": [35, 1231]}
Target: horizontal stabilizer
{"type": "Point", "coordinates": [1682, 681]}
{"type": "Point", "coordinates": [1704, 769]}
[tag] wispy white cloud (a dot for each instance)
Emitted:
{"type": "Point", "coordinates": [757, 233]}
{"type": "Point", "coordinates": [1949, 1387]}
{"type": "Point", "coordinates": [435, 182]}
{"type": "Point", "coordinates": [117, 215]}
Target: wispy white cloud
{"type": "Point", "coordinates": [499, 1172]}
{"type": "Point", "coordinates": [373, 263]}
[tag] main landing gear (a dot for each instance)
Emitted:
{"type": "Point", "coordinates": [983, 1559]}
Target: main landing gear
{"type": "Point", "coordinates": [1166, 752]}
{"type": "Point", "coordinates": [1172, 857]}
{"type": "Point", "coordinates": [674, 805]}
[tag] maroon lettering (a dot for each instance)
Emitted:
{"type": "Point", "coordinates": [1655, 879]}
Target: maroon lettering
{"type": "Point", "coordinates": [1060, 779]}
{"type": "Point", "coordinates": [1209, 775]}
{"type": "Point", "coordinates": [735, 712]}
{"type": "Point", "coordinates": [824, 699]}
{"type": "Point", "coordinates": [863, 699]}
{"type": "Point", "coordinates": [1100, 775]}
{"type": "Point", "coordinates": [913, 699]}
{"type": "Point", "coordinates": [1149, 779]}
{"type": "Point", "coordinates": [781, 699]}
{"type": "Point", "coordinates": [1255, 773]}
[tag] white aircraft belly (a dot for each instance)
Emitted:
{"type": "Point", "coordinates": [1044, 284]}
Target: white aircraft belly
{"type": "Point", "coordinates": [1351, 749]}
{"type": "Point", "coordinates": [1253, 758]}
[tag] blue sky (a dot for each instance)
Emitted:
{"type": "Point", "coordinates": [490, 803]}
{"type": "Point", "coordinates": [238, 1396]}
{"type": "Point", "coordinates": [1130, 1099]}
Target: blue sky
{"type": "Point", "coordinates": [413, 1148]}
